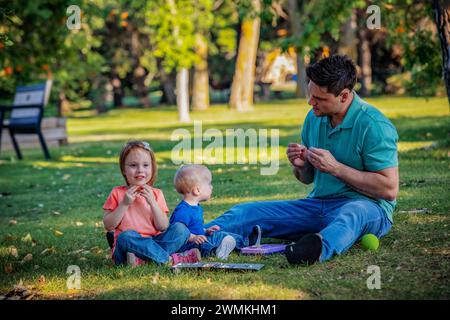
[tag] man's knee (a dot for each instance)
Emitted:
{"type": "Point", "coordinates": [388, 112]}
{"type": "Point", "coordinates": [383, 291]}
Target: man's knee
{"type": "Point", "coordinates": [242, 208]}
{"type": "Point", "coordinates": [354, 210]}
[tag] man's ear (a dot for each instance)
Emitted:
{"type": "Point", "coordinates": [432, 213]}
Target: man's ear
{"type": "Point", "coordinates": [344, 95]}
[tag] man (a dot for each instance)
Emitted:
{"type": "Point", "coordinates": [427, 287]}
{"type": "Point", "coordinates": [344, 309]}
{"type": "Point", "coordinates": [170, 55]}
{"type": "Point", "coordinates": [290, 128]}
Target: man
{"type": "Point", "coordinates": [349, 152]}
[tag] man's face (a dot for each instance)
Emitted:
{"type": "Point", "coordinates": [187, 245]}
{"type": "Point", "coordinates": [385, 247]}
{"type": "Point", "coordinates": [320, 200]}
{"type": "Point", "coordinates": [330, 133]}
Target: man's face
{"type": "Point", "coordinates": [324, 103]}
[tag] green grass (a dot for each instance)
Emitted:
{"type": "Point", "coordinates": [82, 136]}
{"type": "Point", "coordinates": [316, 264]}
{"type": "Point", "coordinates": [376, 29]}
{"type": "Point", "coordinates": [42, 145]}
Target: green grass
{"type": "Point", "coordinates": [414, 258]}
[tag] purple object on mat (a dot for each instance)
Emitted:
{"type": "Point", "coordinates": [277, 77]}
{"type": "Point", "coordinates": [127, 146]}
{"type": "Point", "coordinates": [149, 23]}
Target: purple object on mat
{"type": "Point", "coordinates": [264, 249]}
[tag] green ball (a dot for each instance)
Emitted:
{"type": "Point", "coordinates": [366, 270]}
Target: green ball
{"type": "Point", "coordinates": [370, 242]}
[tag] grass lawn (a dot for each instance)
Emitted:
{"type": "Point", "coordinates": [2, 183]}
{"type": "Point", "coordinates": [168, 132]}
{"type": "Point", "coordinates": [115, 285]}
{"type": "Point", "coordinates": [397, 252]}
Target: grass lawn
{"type": "Point", "coordinates": [52, 210]}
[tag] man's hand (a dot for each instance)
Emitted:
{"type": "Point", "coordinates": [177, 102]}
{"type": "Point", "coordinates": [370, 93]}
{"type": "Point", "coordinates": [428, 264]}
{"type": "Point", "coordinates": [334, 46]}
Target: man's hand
{"type": "Point", "coordinates": [197, 239]}
{"type": "Point", "coordinates": [297, 154]}
{"type": "Point", "coordinates": [212, 229]}
{"type": "Point", "coordinates": [323, 160]}
{"type": "Point", "coordinates": [130, 195]}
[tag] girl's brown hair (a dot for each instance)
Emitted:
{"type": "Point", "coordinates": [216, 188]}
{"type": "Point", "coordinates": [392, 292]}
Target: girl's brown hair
{"type": "Point", "coordinates": [136, 144]}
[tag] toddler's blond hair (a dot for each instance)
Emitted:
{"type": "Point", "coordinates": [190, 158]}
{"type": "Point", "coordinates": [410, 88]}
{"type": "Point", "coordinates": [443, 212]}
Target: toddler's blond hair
{"type": "Point", "coordinates": [188, 176]}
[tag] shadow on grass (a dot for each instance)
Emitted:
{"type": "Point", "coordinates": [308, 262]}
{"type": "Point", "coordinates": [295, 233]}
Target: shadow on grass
{"type": "Point", "coordinates": [413, 257]}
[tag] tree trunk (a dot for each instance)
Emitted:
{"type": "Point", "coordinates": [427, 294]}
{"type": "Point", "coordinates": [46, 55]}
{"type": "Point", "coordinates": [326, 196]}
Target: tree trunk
{"type": "Point", "coordinates": [200, 95]}
{"type": "Point", "coordinates": [241, 97]}
{"type": "Point", "coordinates": [183, 95]}
{"type": "Point", "coordinates": [296, 29]}
{"type": "Point", "coordinates": [167, 84]}
{"type": "Point", "coordinates": [117, 92]}
{"type": "Point", "coordinates": [348, 41]}
{"type": "Point", "coordinates": [139, 74]}
{"type": "Point", "coordinates": [364, 56]}
{"type": "Point", "coordinates": [139, 87]}
{"type": "Point", "coordinates": [63, 104]}
{"type": "Point", "coordinates": [101, 93]}
{"type": "Point", "coordinates": [442, 18]}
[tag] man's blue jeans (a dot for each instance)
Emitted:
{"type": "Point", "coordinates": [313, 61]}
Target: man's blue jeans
{"type": "Point", "coordinates": [157, 248]}
{"type": "Point", "coordinates": [213, 241]}
{"type": "Point", "coordinates": [340, 221]}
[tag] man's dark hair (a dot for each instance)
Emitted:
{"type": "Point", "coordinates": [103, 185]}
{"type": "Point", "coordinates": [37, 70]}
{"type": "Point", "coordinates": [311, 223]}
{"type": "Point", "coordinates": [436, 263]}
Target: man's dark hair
{"type": "Point", "coordinates": [336, 73]}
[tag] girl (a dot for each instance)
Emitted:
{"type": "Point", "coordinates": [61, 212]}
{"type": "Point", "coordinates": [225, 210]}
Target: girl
{"type": "Point", "coordinates": [138, 212]}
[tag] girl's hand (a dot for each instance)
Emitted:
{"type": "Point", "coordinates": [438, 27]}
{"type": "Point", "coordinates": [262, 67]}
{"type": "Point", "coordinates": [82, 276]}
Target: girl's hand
{"type": "Point", "coordinates": [197, 239]}
{"type": "Point", "coordinates": [147, 192]}
{"type": "Point", "coordinates": [130, 195]}
{"type": "Point", "coordinates": [212, 229]}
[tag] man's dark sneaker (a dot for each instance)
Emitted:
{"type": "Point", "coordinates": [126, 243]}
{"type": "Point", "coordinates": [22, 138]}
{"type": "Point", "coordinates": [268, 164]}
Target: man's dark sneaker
{"type": "Point", "coordinates": [306, 251]}
{"type": "Point", "coordinates": [254, 239]}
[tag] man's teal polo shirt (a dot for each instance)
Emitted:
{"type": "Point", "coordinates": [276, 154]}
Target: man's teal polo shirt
{"type": "Point", "coordinates": [365, 140]}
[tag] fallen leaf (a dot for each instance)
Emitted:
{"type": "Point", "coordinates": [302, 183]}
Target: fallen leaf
{"type": "Point", "coordinates": [10, 237]}
{"type": "Point", "coordinates": [56, 213]}
{"type": "Point", "coordinates": [41, 279]}
{"type": "Point", "coordinates": [49, 250]}
{"type": "Point", "coordinates": [13, 251]}
{"type": "Point", "coordinates": [12, 222]}
{"type": "Point", "coordinates": [58, 233]}
{"type": "Point", "coordinates": [8, 268]}
{"type": "Point", "coordinates": [31, 296]}
{"type": "Point", "coordinates": [66, 177]}
{"type": "Point", "coordinates": [78, 223]}
{"type": "Point", "coordinates": [97, 250]}
{"type": "Point", "coordinates": [27, 258]}
{"type": "Point", "coordinates": [76, 251]}
{"type": "Point", "coordinates": [20, 292]}
{"type": "Point", "coordinates": [27, 238]}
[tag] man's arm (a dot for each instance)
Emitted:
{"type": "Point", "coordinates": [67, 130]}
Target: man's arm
{"type": "Point", "coordinates": [381, 184]}
{"type": "Point", "coordinates": [304, 174]}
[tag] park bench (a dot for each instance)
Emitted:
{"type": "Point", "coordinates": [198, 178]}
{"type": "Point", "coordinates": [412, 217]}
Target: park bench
{"type": "Point", "coordinates": [25, 114]}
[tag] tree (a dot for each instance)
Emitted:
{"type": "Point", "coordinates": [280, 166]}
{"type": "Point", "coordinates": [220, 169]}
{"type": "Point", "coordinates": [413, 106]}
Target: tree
{"type": "Point", "coordinates": [41, 46]}
{"type": "Point", "coordinates": [203, 20]}
{"type": "Point", "coordinates": [200, 92]}
{"type": "Point", "coordinates": [348, 40]}
{"type": "Point", "coordinates": [296, 29]}
{"type": "Point", "coordinates": [313, 23]}
{"type": "Point", "coordinates": [442, 18]}
{"type": "Point", "coordinates": [241, 98]}
{"type": "Point", "coordinates": [364, 54]}
{"type": "Point", "coordinates": [222, 46]}
{"type": "Point", "coordinates": [173, 39]}
{"type": "Point", "coordinates": [409, 24]}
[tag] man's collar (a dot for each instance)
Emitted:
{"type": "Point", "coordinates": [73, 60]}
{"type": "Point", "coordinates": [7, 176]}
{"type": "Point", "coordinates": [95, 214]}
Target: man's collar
{"type": "Point", "coordinates": [351, 114]}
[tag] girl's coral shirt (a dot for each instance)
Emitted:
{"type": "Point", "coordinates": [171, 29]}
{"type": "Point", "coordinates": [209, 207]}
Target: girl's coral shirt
{"type": "Point", "coordinates": [139, 216]}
